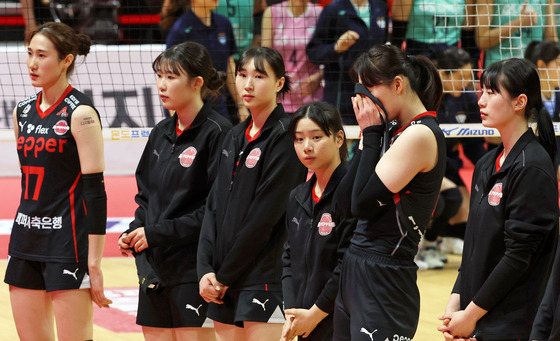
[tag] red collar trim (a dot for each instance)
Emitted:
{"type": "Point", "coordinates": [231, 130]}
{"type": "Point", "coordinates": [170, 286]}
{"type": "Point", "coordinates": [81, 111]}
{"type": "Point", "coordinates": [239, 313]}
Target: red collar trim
{"type": "Point", "coordinates": [179, 131]}
{"type": "Point", "coordinates": [46, 113]}
{"type": "Point", "coordinates": [248, 130]}
{"type": "Point", "coordinates": [315, 197]}
{"type": "Point", "coordinates": [417, 117]}
{"type": "Point", "coordinates": [498, 167]}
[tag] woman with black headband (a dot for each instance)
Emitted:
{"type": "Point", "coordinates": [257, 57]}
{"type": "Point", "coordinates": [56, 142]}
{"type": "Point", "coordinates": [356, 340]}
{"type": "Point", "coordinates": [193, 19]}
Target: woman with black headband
{"type": "Point", "coordinates": [392, 188]}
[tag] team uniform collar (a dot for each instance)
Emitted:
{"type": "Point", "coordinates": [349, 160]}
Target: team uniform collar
{"type": "Point", "coordinates": [519, 146]}
{"type": "Point", "coordinates": [305, 191]}
{"type": "Point", "coordinates": [169, 126]}
{"type": "Point", "coordinates": [416, 118]}
{"type": "Point", "coordinates": [276, 114]}
{"type": "Point", "coordinates": [46, 113]}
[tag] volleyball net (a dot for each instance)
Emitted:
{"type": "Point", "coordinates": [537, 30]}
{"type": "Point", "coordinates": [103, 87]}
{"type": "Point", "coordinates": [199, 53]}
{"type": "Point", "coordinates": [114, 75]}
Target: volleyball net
{"type": "Point", "coordinates": [118, 76]}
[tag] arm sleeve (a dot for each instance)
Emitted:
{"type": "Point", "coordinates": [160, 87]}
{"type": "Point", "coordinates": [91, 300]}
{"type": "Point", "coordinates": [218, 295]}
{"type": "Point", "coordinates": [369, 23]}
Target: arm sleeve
{"type": "Point", "coordinates": [370, 197]}
{"type": "Point", "coordinates": [95, 199]}
{"type": "Point", "coordinates": [544, 320]}
{"type": "Point", "coordinates": [320, 49]}
{"type": "Point", "coordinates": [524, 232]}
{"type": "Point", "coordinates": [326, 298]}
{"type": "Point", "coordinates": [343, 194]}
{"type": "Point", "coordinates": [186, 229]}
{"type": "Point", "coordinates": [281, 173]}
{"type": "Point", "coordinates": [457, 285]}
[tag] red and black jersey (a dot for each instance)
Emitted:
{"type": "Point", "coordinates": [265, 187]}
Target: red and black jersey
{"type": "Point", "coordinates": [49, 224]}
{"type": "Point", "coordinates": [397, 226]}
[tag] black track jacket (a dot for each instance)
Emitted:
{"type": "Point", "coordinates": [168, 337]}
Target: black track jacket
{"type": "Point", "coordinates": [243, 231]}
{"type": "Point", "coordinates": [174, 177]}
{"type": "Point", "coordinates": [510, 239]}
{"type": "Point", "coordinates": [317, 239]}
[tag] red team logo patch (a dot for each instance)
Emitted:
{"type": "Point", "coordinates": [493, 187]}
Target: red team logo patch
{"type": "Point", "coordinates": [495, 195]}
{"type": "Point", "coordinates": [326, 225]}
{"type": "Point", "coordinates": [253, 158]}
{"type": "Point", "coordinates": [186, 158]}
{"type": "Point", "coordinates": [61, 127]}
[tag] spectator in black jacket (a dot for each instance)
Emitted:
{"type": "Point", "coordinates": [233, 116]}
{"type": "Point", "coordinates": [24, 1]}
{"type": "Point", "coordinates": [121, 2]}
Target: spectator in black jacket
{"type": "Point", "coordinates": [345, 30]}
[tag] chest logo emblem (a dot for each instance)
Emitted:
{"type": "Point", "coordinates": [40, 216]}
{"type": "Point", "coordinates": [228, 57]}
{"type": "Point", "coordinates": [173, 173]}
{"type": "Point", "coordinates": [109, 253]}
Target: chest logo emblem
{"type": "Point", "coordinates": [253, 158]}
{"type": "Point", "coordinates": [63, 112]}
{"type": "Point", "coordinates": [26, 109]}
{"type": "Point", "coordinates": [495, 195]}
{"type": "Point", "coordinates": [186, 158]}
{"type": "Point", "coordinates": [326, 225]}
{"type": "Point", "coordinates": [61, 127]}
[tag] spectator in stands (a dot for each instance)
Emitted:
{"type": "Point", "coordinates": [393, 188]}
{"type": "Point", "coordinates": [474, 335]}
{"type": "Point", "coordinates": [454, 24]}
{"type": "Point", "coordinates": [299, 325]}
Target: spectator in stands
{"type": "Point", "coordinates": [318, 235]}
{"type": "Point", "coordinates": [288, 27]}
{"type": "Point", "coordinates": [34, 13]}
{"type": "Point", "coordinates": [506, 27]}
{"type": "Point", "coordinates": [430, 26]}
{"type": "Point", "coordinates": [458, 105]}
{"type": "Point", "coordinates": [243, 232]}
{"type": "Point", "coordinates": [56, 243]}
{"type": "Point", "coordinates": [213, 31]}
{"type": "Point", "coordinates": [240, 14]}
{"type": "Point", "coordinates": [512, 229]}
{"type": "Point", "coordinates": [174, 177]}
{"type": "Point", "coordinates": [171, 10]}
{"type": "Point", "coordinates": [345, 30]}
{"type": "Point", "coordinates": [545, 55]}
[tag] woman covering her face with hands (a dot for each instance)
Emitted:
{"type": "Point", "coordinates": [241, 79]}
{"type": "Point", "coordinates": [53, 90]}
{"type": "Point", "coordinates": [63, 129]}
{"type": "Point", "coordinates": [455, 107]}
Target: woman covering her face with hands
{"type": "Point", "coordinates": [391, 188]}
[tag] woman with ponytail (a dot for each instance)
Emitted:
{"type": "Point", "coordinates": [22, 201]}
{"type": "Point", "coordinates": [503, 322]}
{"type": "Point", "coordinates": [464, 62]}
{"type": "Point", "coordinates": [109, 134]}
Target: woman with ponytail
{"type": "Point", "coordinates": [174, 176]}
{"type": "Point", "coordinates": [56, 244]}
{"type": "Point", "coordinates": [391, 188]}
{"type": "Point", "coordinates": [512, 227]}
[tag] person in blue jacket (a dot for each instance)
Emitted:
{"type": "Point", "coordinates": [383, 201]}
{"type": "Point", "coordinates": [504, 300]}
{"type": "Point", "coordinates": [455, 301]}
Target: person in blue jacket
{"type": "Point", "coordinates": [215, 32]}
{"type": "Point", "coordinates": [318, 235]}
{"type": "Point", "coordinates": [345, 30]}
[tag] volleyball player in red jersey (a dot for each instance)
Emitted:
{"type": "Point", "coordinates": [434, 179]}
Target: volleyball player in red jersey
{"type": "Point", "coordinates": [58, 234]}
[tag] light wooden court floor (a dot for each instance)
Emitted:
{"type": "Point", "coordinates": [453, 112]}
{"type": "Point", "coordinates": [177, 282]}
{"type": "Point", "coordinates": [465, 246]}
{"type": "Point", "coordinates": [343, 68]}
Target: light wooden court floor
{"type": "Point", "coordinates": [435, 286]}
